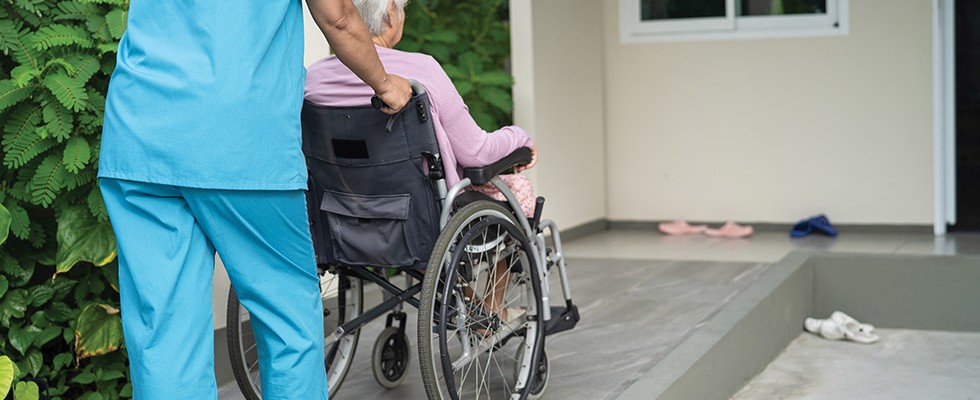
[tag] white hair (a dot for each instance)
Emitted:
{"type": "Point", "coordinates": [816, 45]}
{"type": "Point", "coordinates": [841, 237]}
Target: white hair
{"type": "Point", "coordinates": [375, 13]}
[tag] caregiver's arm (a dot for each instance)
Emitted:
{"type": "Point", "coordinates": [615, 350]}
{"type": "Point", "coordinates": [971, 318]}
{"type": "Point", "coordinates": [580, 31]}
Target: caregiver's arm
{"type": "Point", "coordinates": [349, 38]}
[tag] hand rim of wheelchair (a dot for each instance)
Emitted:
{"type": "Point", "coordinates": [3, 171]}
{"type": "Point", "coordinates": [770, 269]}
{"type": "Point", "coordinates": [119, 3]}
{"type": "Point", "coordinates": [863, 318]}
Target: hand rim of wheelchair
{"type": "Point", "coordinates": [449, 244]}
{"type": "Point", "coordinates": [248, 376]}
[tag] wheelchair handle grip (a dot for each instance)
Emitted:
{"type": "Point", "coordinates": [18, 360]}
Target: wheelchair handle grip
{"type": "Point", "coordinates": [417, 90]}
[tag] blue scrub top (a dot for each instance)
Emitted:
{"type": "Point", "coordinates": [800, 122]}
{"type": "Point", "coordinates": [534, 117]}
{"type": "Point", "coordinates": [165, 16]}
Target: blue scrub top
{"type": "Point", "coordinates": [207, 94]}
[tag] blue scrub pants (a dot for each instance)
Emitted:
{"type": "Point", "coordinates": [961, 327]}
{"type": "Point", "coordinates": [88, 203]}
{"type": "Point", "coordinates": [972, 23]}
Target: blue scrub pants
{"type": "Point", "coordinates": [167, 238]}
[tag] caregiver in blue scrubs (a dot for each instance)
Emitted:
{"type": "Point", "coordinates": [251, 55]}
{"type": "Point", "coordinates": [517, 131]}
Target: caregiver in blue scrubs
{"type": "Point", "coordinates": [201, 153]}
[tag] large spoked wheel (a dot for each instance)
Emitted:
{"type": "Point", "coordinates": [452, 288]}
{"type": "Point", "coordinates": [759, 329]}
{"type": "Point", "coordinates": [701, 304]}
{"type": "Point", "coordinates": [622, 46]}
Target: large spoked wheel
{"type": "Point", "coordinates": [342, 301]}
{"type": "Point", "coordinates": [480, 336]}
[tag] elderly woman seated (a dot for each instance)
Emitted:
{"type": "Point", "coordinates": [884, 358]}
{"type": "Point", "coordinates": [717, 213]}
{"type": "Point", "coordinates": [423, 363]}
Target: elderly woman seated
{"type": "Point", "coordinates": [462, 143]}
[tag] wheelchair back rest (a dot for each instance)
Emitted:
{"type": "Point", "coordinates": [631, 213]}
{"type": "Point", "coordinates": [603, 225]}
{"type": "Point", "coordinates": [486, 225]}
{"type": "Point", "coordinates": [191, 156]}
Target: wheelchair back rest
{"type": "Point", "coordinates": [371, 201]}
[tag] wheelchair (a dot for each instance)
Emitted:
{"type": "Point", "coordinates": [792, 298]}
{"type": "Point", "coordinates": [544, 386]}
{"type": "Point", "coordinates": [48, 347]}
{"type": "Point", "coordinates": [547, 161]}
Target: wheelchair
{"type": "Point", "coordinates": [379, 205]}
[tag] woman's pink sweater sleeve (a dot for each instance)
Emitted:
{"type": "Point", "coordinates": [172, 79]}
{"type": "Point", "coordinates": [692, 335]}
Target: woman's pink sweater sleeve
{"type": "Point", "coordinates": [472, 146]}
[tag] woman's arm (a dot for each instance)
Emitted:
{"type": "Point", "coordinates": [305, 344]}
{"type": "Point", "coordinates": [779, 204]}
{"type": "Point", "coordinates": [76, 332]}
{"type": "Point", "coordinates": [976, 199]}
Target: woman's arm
{"type": "Point", "coordinates": [350, 40]}
{"type": "Point", "coordinates": [472, 145]}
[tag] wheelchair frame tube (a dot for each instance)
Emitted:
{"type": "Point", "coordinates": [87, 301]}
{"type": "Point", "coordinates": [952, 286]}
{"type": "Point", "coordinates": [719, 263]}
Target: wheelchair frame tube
{"type": "Point", "coordinates": [447, 203]}
{"type": "Point", "coordinates": [558, 257]}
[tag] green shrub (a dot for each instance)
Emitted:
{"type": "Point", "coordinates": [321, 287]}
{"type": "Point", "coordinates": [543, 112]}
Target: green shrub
{"type": "Point", "coordinates": [59, 321]}
{"type": "Point", "coordinates": [471, 39]}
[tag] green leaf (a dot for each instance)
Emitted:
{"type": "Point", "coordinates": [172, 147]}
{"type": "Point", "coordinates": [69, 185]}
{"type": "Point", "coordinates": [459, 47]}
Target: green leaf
{"type": "Point", "coordinates": [14, 304]}
{"type": "Point", "coordinates": [31, 6]}
{"type": "Point", "coordinates": [26, 391]}
{"type": "Point", "coordinates": [58, 119]}
{"type": "Point", "coordinates": [483, 119]}
{"type": "Point", "coordinates": [62, 360]}
{"type": "Point", "coordinates": [23, 74]}
{"type": "Point", "coordinates": [58, 311]}
{"type": "Point", "coordinates": [111, 375]}
{"type": "Point", "coordinates": [18, 273]}
{"type": "Point", "coordinates": [20, 223]}
{"type": "Point", "coordinates": [126, 391]}
{"type": "Point", "coordinates": [48, 335]}
{"type": "Point", "coordinates": [97, 205]}
{"type": "Point", "coordinates": [81, 237]}
{"type": "Point", "coordinates": [69, 91]}
{"type": "Point", "coordinates": [4, 285]}
{"type": "Point", "coordinates": [470, 63]}
{"type": "Point", "coordinates": [464, 87]}
{"type": "Point", "coordinates": [22, 338]}
{"type": "Point", "coordinates": [439, 51]}
{"type": "Point", "coordinates": [92, 396]}
{"type": "Point", "coordinates": [21, 46]}
{"type": "Point", "coordinates": [111, 273]}
{"type": "Point", "coordinates": [99, 331]}
{"type": "Point", "coordinates": [6, 375]}
{"type": "Point", "coordinates": [84, 378]}
{"type": "Point", "coordinates": [83, 177]}
{"type": "Point", "coordinates": [496, 78]}
{"type": "Point", "coordinates": [21, 142]}
{"type": "Point", "coordinates": [497, 97]}
{"type": "Point", "coordinates": [11, 93]}
{"type": "Point", "coordinates": [40, 295]}
{"type": "Point", "coordinates": [61, 35]}
{"type": "Point", "coordinates": [77, 154]}
{"type": "Point", "coordinates": [34, 361]}
{"type": "Point", "coordinates": [99, 27]}
{"type": "Point", "coordinates": [73, 10]}
{"type": "Point", "coordinates": [443, 36]}
{"type": "Point", "coordinates": [116, 20]}
{"type": "Point", "coordinates": [82, 66]}
{"type": "Point", "coordinates": [453, 71]}
{"type": "Point", "coordinates": [48, 181]}
{"type": "Point", "coordinates": [5, 220]}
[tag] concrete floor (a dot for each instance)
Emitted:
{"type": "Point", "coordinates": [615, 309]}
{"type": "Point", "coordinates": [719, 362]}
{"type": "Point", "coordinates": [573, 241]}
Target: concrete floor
{"type": "Point", "coordinates": [904, 364]}
{"type": "Point", "coordinates": [640, 293]}
{"type": "Point", "coordinates": [633, 313]}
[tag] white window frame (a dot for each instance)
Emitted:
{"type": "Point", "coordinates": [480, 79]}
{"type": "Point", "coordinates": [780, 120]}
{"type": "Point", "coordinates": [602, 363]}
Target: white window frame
{"type": "Point", "coordinates": [633, 30]}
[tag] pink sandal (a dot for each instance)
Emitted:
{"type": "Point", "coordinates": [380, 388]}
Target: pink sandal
{"type": "Point", "coordinates": [681, 227]}
{"type": "Point", "coordinates": [730, 230]}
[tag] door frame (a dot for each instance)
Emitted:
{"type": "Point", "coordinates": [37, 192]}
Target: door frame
{"type": "Point", "coordinates": [944, 113]}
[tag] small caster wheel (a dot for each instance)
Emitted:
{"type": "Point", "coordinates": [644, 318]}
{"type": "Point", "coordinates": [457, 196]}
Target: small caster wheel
{"type": "Point", "coordinates": [540, 375]}
{"type": "Point", "coordinates": [389, 360]}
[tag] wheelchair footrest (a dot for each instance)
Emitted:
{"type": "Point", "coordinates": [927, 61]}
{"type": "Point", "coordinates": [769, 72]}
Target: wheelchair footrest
{"type": "Point", "coordinates": [562, 319]}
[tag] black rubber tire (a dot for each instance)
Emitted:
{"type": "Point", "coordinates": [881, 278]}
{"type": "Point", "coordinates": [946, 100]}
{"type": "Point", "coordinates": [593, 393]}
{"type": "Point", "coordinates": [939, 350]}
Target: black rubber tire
{"type": "Point", "coordinates": [430, 286]}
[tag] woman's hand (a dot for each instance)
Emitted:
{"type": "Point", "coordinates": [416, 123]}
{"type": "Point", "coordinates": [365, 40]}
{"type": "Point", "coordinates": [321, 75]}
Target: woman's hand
{"type": "Point", "coordinates": [534, 160]}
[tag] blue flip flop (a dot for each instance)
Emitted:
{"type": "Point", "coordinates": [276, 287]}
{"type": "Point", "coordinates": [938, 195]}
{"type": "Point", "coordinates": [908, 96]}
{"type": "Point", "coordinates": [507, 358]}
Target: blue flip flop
{"type": "Point", "coordinates": [821, 224]}
{"type": "Point", "coordinates": [801, 229]}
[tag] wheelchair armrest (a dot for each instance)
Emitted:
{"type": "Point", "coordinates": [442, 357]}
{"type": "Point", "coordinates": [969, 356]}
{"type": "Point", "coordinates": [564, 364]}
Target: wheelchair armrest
{"type": "Point", "coordinates": [482, 175]}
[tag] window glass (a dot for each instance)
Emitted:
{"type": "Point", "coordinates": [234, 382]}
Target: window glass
{"type": "Point", "coordinates": [652, 10]}
{"type": "Point", "coordinates": [782, 7]}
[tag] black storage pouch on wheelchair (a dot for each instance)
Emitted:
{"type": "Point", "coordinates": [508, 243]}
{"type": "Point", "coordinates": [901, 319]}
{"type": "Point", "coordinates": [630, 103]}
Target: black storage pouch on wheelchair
{"type": "Point", "coordinates": [368, 230]}
{"type": "Point", "coordinates": [366, 182]}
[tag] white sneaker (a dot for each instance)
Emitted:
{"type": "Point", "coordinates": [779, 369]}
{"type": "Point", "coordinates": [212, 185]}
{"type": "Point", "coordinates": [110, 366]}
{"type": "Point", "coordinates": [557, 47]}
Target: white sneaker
{"type": "Point", "coordinates": [845, 319]}
{"type": "Point", "coordinates": [840, 328]}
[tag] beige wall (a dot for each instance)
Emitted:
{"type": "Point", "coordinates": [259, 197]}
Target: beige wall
{"type": "Point", "coordinates": [773, 130]}
{"type": "Point", "coordinates": [559, 99]}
